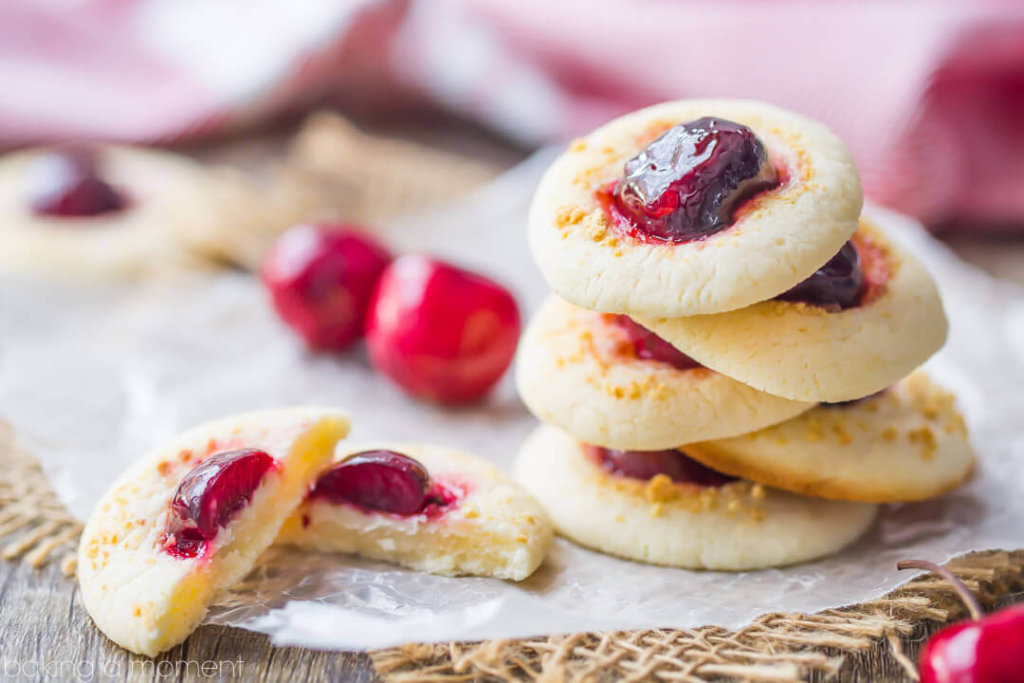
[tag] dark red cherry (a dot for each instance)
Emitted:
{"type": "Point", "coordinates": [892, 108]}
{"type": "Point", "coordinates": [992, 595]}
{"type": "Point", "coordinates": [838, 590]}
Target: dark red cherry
{"type": "Point", "coordinates": [984, 650]}
{"type": "Point", "coordinates": [440, 332]}
{"type": "Point", "coordinates": [686, 184]}
{"type": "Point", "coordinates": [377, 480]}
{"type": "Point", "coordinates": [649, 346]}
{"type": "Point", "coordinates": [321, 278]}
{"type": "Point", "coordinates": [210, 495]}
{"type": "Point", "coordinates": [838, 283]}
{"type": "Point", "coordinates": [646, 464]}
{"type": "Point", "coordinates": [66, 183]}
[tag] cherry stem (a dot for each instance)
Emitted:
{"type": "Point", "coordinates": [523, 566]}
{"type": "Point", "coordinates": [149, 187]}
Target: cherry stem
{"type": "Point", "coordinates": [965, 594]}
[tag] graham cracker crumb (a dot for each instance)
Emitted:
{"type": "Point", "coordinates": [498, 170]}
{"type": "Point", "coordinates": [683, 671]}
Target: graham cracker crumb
{"type": "Point", "coordinates": [660, 489]}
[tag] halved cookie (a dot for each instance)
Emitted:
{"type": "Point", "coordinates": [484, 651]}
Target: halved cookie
{"type": "Point", "coordinates": [445, 512]}
{"type": "Point", "coordinates": [140, 199]}
{"type": "Point", "coordinates": [907, 443]}
{"type": "Point", "coordinates": [190, 519]}
{"type": "Point", "coordinates": [583, 371]}
{"type": "Point", "coordinates": [807, 352]}
{"type": "Point", "coordinates": [730, 526]}
{"type": "Point", "coordinates": [599, 255]}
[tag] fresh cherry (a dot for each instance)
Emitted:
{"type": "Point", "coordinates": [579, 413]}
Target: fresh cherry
{"type": "Point", "coordinates": [320, 279]}
{"type": "Point", "coordinates": [686, 184]}
{"type": "Point", "coordinates": [649, 346]}
{"type": "Point", "coordinates": [66, 183]}
{"type": "Point", "coordinates": [646, 464]}
{"type": "Point", "coordinates": [440, 332]}
{"type": "Point", "coordinates": [377, 480]}
{"type": "Point", "coordinates": [210, 495]}
{"type": "Point", "coordinates": [838, 283]}
{"type": "Point", "coordinates": [984, 650]}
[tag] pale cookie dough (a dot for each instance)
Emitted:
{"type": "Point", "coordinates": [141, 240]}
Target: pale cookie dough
{"type": "Point", "coordinates": [777, 239]}
{"type": "Point", "coordinates": [577, 370]}
{"type": "Point", "coordinates": [740, 526]}
{"type": "Point", "coordinates": [494, 528]}
{"type": "Point", "coordinates": [165, 192]}
{"type": "Point", "coordinates": [806, 353]}
{"type": "Point", "coordinates": [147, 600]}
{"type": "Point", "coordinates": [908, 443]}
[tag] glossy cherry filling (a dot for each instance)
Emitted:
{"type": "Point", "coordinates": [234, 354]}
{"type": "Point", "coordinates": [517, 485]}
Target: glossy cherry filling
{"type": "Point", "coordinates": [66, 183]}
{"type": "Point", "coordinates": [839, 284]}
{"type": "Point", "coordinates": [646, 464]}
{"type": "Point", "coordinates": [210, 495]}
{"type": "Point", "coordinates": [688, 183]}
{"type": "Point", "coordinates": [384, 481]}
{"type": "Point", "coordinates": [649, 346]}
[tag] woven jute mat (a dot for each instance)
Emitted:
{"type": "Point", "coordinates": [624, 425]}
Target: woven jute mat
{"type": "Point", "coordinates": [35, 529]}
{"type": "Point", "coordinates": [333, 170]}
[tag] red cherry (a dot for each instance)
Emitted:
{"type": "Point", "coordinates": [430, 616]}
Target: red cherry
{"type": "Point", "coordinates": [649, 346]}
{"type": "Point", "coordinates": [210, 495]}
{"type": "Point", "coordinates": [985, 650]}
{"type": "Point", "coordinates": [66, 183]}
{"type": "Point", "coordinates": [378, 480]}
{"type": "Point", "coordinates": [441, 333]}
{"type": "Point", "coordinates": [320, 279]}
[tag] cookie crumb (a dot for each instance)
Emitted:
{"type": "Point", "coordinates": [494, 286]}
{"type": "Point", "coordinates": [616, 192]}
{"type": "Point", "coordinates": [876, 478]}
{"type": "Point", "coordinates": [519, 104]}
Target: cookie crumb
{"type": "Point", "coordinates": [660, 488]}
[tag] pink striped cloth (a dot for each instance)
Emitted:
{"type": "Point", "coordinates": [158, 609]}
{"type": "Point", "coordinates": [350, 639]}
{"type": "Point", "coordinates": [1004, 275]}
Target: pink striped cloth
{"type": "Point", "coordinates": [929, 95]}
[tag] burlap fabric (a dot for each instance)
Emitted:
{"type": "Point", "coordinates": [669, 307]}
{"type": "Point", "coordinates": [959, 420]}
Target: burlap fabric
{"type": "Point", "coordinates": [334, 170]}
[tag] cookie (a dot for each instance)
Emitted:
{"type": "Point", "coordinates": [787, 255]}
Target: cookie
{"type": "Point", "coordinates": [735, 527]}
{"type": "Point", "coordinates": [579, 370]}
{"type": "Point", "coordinates": [907, 443]}
{"type": "Point", "coordinates": [160, 192]}
{"type": "Point", "coordinates": [484, 525]}
{"type": "Point", "coordinates": [156, 552]}
{"type": "Point", "coordinates": [590, 256]}
{"type": "Point", "coordinates": [808, 352]}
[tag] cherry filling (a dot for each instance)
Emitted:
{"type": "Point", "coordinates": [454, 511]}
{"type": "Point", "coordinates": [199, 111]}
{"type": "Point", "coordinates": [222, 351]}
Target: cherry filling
{"type": "Point", "coordinates": [840, 283]}
{"type": "Point", "coordinates": [649, 346]}
{"type": "Point", "coordinates": [688, 183]}
{"type": "Point", "coordinates": [66, 183]}
{"type": "Point", "coordinates": [646, 464]}
{"type": "Point", "coordinates": [383, 480]}
{"type": "Point", "coordinates": [210, 495]}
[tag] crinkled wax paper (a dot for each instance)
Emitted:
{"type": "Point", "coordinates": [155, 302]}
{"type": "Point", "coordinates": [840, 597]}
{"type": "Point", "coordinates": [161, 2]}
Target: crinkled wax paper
{"type": "Point", "coordinates": [92, 378]}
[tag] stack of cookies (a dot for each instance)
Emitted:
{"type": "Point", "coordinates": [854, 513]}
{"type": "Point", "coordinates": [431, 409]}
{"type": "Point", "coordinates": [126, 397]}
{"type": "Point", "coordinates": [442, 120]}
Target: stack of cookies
{"type": "Point", "coordinates": [727, 376]}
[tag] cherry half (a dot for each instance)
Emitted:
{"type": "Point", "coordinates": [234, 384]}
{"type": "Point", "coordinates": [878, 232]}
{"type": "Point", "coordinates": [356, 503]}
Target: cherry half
{"type": "Point", "coordinates": [646, 464]}
{"type": "Point", "coordinates": [649, 346]}
{"type": "Point", "coordinates": [440, 332]}
{"type": "Point", "coordinates": [321, 278]}
{"type": "Point", "coordinates": [837, 284]}
{"type": "Point", "coordinates": [377, 480]}
{"type": "Point", "coordinates": [986, 649]}
{"type": "Point", "coordinates": [66, 183]}
{"type": "Point", "coordinates": [210, 495]}
{"type": "Point", "coordinates": [687, 184]}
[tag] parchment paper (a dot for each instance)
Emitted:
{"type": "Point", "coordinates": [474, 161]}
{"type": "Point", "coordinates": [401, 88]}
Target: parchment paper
{"type": "Point", "coordinates": [92, 377]}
